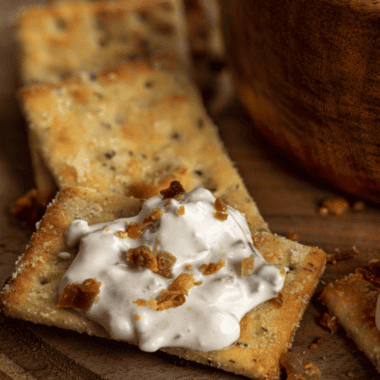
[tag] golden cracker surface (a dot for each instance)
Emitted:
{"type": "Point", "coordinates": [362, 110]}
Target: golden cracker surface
{"type": "Point", "coordinates": [131, 130]}
{"type": "Point", "coordinates": [266, 331]}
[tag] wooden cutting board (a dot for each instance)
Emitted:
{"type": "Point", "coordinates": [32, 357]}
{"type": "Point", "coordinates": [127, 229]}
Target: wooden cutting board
{"type": "Point", "coordinates": [287, 199]}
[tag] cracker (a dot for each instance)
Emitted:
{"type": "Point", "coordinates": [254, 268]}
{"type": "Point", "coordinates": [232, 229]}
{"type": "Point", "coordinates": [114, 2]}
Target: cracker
{"type": "Point", "coordinates": [266, 331]}
{"type": "Point", "coordinates": [63, 39]}
{"type": "Point", "coordinates": [352, 300]}
{"type": "Point", "coordinates": [115, 133]}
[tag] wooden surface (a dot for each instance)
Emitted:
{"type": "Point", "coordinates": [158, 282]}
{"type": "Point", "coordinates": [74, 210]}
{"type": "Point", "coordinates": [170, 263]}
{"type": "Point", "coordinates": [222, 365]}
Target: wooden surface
{"type": "Point", "coordinates": [288, 201]}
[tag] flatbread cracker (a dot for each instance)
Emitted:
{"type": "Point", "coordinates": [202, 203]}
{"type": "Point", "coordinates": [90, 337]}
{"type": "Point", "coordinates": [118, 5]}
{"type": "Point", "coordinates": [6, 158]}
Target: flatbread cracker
{"type": "Point", "coordinates": [352, 300]}
{"type": "Point", "coordinates": [60, 40]}
{"type": "Point", "coordinates": [130, 130]}
{"type": "Point", "coordinates": [266, 331]}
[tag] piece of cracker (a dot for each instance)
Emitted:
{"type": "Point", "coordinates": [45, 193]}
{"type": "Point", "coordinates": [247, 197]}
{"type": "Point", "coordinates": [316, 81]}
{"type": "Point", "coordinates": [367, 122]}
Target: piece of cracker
{"type": "Point", "coordinates": [131, 130]}
{"type": "Point", "coordinates": [266, 331]}
{"type": "Point", "coordinates": [60, 40]}
{"type": "Point", "coordinates": [352, 300]}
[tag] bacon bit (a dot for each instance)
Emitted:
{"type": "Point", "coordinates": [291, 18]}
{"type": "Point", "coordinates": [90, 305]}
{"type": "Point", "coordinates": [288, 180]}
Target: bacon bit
{"type": "Point", "coordinates": [278, 301]}
{"type": "Point", "coordinates": [330, 322]}
{"type": "Point", "coordinates": [134, 230]}
{"type": "Point", "coordinates": [180, 211]}
{"type": "Point", "coordinates": [142, 257]}
{"type": "Point", "coordinates": [174, 189]}
{"type": "Point", "coordinates": [297, 367]}
{"type": "Point", "coordinates": [334, 206]}
{"type": "Point", "coordinates": [121, 234]}
{"type": "Point", "coordinates": [165, 263]}
{"type": "Point", "coordinates": [317, 342]}
{"type": "Point", "coordinates": [207, 269]}
{"type": "Point", "coordinates": [80, 296]}
{"type": "Point", "coordinates": [156, 214]}
{"type": "Point", "coordinates": [370, 273]}
{"type": "Point", "coordinates": [247, 265]}
{"type": "Point", "coordinates": [291, 235]}
{"type": "Point", "coordinates": [188, 267]}
{"type": "Point", "coordinates": [220, 205]}
{"type": "Point", "coordinates": [137, 317]}
{"type": "Point", "coordinates": [339, 256]}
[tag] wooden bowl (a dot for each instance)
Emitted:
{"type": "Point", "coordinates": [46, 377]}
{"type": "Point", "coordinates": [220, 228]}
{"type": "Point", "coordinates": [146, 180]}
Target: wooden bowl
{"type": "Point", "coordinates": [309, 73]}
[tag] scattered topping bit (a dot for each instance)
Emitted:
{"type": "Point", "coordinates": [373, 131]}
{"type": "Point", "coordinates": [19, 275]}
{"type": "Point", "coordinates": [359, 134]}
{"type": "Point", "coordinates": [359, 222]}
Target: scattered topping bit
{"type": "Point", "coordinates": [156, 214]}
{"type": "Point", "coordinates": [134, 230]}
{"type": "Point", "coordinates": [165, 263]}
{"type": "Point", "coordinates": [278, 301]}
{"type": "Point", "coordinates": [317, 342]}
{"type": "Point", "coordinates": [180, 211]}
{"type": "Point", "coordinates": [188, 267]}
{"type": "Point", "coordinates": [174, 189]}
{"type": "Point", "coordinates": [141, 302]}
{"type": "Point", "coordinates": [358, 206]}
{"type": "Point", "coordinates": [207, 269]}
{"type": "Point", "coordinates": [371, 273]}
{"type": "Point", "coordinates": [107, 229]}
{"type": "Point", "coordinates": [282, 270]}
{"type": "Point", "coordinates": [331, 322]}
{"type": "Point", "coordinates": [339, 256]}
{"type": "Point", "coordinates": [121, 234]}
{"type": "Point", "coordinates": [297, 367]}
{"type": "Point", "coordinates": [291, 235]}
{"type": "Point", "coordinates": [80, 296]}
{"type": "Point", "coordinates": [334, 206]}
{"type": "Point", "coordinates": [142, 257]}
{"type": "Point", "coordinates": [221, 209]}
{"type": "Point", "coordinates": [247, 265]}
{"type": "Point", "coordinates": [137, 317]}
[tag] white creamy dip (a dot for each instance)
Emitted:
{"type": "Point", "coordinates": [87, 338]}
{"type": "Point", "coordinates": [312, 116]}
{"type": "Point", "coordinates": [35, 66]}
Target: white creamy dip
{"type": "Point", "coordinates": [209, 319]}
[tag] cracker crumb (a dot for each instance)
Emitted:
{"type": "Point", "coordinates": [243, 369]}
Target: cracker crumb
{"type": "Point", "coordinates": [134, 229]}
{"type": "Point", "coordinates": [211, 268]}
{"type": "Point", "coordinates": [137, 317]}
{"type": "Point", "coordinates": [121, 234]}
{"type": "Point", "coordinates": [247, 265]}
{"type": "Point", "coordinates": [156, 214]}
{"type": "Point", "coordinates": [106, 229]}
{"type": "Point", "coordinates": [339, 256]}
{"type": "Point", "coordinates": [222, 216]}
{"type": "Point", "coordinates": [80, 296]}
{"type": "Point", "coordinates": [334, 206]}
{"type": "Point", "coordinates": [174, 189]}
{"type": "Point", "coordinates": [282, 270]}
{"type": "Point", "coordinates": [370, 273]}
{"type": "Point", "coordinates": [317, 342]}
{"type": "Point", "coordinates": [165, 263]}
{"type": "Point", "coordinates": [188, 267]}
{"type": "Point", "coordinates": [221, 210]}
{"type": "Point", "coordinates": [291, 235]}
{"type": "Point", "coordinates": [331, 322]}
{"type": "Point", "coordinates": [180, 211]}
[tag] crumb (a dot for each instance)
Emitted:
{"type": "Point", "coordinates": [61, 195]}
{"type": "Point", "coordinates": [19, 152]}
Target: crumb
{"type": "Point", "coordinates": [358, 206]}
{"type": "Point", "coordinates": [174, 189]}
{"type": "Point", "coordinates": [198, 283]}
{"type": "Point", "coordinates": [179, 197]}
{"type": "Point", "coordinates": [370, 273]}
{"type": "Point", "coordinates": [134, 230]}
{"type": "Point", "coordinates": [142, 257]}
{"type": "Point", "coordinates": [156, 214]}
{"type": "Point", "coordinates": [247, 265]}
{"type": "Point", "coordinates": [137, 317]}
{"type": "Point", "coordinates": [188, 267]}
{"type": "Point", "coordinates": [121, 234]}
{"type": "Point", "coordinates": [334, 206]}
{"type": "Point", "coordinates": [212, 268]}
{"type": "Point", "coordinates": [80, 296]}
{"type": "Point", "coordinates": [317, 342]}
{"type": "Point", "coordinates": [180, 211]}
{"type": "Point", "coordinates": [221, 210]}
{"type": "Point", "coordinates": [165, 263]}
{"type": "Point", "coordinates": [297, 367]}
{"type": "Point", "coordinates": [291, 235]}
{"type": "Point", "coordinates": [339, 256]}
{"type": "Point", "coordinates": [331, 322]}
{"type": "Point", "coordinates": [282, 271]}
{"type": "Point", "coordinates": [107, 229]}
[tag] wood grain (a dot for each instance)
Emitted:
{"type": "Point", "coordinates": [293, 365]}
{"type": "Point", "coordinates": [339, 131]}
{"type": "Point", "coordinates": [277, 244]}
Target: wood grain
{"type": "Point", "coordinates": [310, 75]}
{"type": "Point", "coordinates": [287, 198]}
